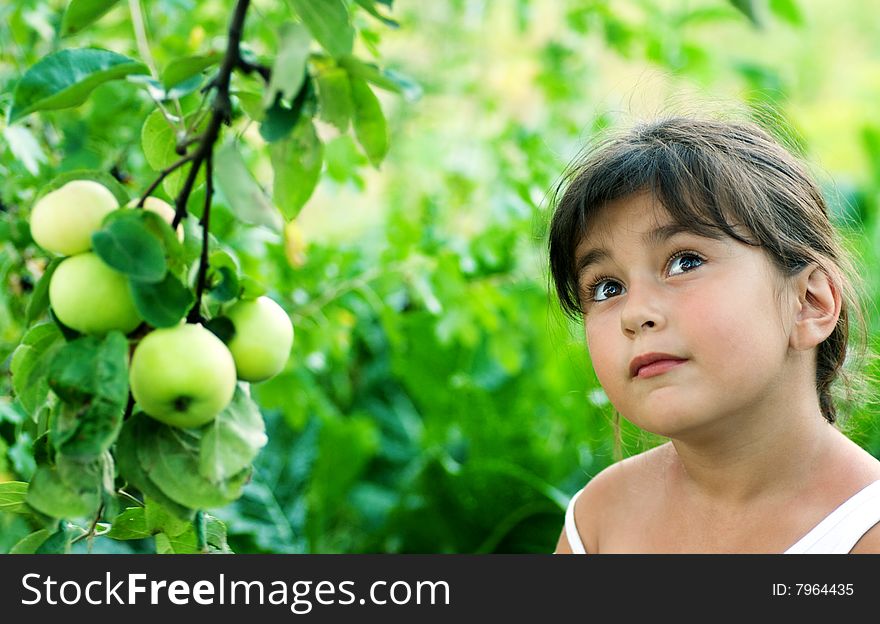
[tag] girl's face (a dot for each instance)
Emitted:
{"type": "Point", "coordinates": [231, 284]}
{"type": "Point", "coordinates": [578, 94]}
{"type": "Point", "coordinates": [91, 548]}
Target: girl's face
{"type": "Point", "coordinates": [711, 302]}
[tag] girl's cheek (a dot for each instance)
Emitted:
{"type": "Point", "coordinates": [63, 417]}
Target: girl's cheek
{"type": "Point", "coordinates": [601, 346]}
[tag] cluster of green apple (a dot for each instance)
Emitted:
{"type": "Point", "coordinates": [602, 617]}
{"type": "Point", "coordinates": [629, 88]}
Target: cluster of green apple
{"type": "Point", "coordinates": [183, 375]}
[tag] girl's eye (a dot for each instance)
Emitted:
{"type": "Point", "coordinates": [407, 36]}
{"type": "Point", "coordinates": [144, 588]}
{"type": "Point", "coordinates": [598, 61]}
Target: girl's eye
{"type": "Point", "coordinates": [604, 287]}
{"type": "Point", "coordinates": [687, 260]}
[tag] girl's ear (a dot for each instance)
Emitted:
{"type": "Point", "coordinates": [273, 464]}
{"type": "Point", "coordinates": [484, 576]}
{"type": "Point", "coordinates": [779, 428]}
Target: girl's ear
{"type": "Point", "coordinates": [817, 310]}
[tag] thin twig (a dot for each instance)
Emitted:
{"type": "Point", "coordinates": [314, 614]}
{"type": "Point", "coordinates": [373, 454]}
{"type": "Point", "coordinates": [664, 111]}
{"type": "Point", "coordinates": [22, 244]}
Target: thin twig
{"type": "Point", "coordinates": [180, 148]}
{"type": "Point", "coordinates": [221, 107]}
{"type": "Point", "coordinates": [195, 314]}
{"type": "Point", "coordinates": [248, 67]}
{"type": "Point", "coordinates": [162, 175]}
{"type": "Point", "coordinates": [91, 531]}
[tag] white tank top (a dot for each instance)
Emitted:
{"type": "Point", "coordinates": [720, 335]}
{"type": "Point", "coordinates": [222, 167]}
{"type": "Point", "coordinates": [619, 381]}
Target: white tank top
{"type": "Point", "coordinates": [836, 534]}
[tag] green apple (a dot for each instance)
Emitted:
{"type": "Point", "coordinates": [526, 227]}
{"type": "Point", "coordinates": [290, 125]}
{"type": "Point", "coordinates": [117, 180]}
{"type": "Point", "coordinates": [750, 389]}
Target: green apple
{"type": "Point", "coordinates": [262, 340]}
{"type": "Point", "coordinates": [182, 376]}
{"type": "Point", "coordinates": [92, 298]}
{"type": "Point", "coordinates": [64, 220]}
{"type": "Point", "coordinates": [161, 208]}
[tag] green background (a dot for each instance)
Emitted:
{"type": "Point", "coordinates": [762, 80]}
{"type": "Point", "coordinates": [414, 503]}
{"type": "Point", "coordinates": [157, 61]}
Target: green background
{"type": "Point", "coordinates": [436, 400]}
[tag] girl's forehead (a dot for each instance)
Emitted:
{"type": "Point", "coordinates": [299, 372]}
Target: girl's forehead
{"type": "Point", "coordinates": [637, 214]}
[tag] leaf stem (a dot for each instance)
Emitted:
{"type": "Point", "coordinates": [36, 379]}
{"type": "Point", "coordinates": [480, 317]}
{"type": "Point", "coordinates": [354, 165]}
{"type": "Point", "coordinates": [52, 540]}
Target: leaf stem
{"type": "Point", "coordinates": [140, 34]}
{"type": "Point", "coordinates": [133, 499]}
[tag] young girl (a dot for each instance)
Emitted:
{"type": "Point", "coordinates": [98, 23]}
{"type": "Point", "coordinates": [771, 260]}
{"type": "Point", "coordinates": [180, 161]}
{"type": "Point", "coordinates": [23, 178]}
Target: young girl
{"type": "Point", "coordinates": [716, 307]}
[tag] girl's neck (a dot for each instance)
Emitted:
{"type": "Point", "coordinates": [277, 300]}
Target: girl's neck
{"type": "Point", "coordinates": [762, 456]}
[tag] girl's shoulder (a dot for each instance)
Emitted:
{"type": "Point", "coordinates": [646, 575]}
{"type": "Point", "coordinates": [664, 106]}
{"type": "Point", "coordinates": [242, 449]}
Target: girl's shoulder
{"type": "Point", "coordinates": [612, 507]}
{"type": "Point", "coordinates": [856, 468]}
{"type": "Point", "coordinates": [607, 497]}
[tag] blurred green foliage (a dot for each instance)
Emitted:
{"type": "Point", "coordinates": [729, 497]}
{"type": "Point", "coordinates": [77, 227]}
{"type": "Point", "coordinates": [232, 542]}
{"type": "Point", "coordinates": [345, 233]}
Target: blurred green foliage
{"type": "Point", "coordinates": [436, 400]}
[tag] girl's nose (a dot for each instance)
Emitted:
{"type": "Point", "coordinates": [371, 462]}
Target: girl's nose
{"type": "Point", "coordinates": [642, 310]}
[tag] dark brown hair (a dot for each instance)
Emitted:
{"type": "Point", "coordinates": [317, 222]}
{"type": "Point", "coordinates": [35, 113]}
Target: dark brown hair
{"type": "Point", "coordinates": [716, 178]}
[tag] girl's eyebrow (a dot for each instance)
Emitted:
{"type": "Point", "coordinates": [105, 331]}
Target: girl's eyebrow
{"type": "Point", "coordinates": [651, 239]}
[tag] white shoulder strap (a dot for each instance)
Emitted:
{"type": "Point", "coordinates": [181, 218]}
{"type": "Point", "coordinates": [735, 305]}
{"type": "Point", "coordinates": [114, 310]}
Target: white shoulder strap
{"type": "Point", "coordinates": [843, 527]}
{"type": "Point", "coordinates": [571, 532]}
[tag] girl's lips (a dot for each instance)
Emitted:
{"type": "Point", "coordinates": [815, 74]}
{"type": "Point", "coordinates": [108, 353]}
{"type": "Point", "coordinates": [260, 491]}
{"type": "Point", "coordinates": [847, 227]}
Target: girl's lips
{"type": "Point", "coordinates": [658, 368]}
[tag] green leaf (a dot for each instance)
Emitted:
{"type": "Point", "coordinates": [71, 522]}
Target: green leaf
{"type": "Point", "coordinates": [127, 245]}
{"type": "Point", "coordinates": [24, 147]}
{"type": "Point", "coordinates": [92, 366]}
{"type": "Point", "coordinates": [279, 121]}
{"type": "Point", "coordinates": [289, 68]}
{"type": "Point", "coordinates": [171, 459]}
{"type": "Point", "coordinates": [281, 118]}
{"type": "Point", "coordinates": [215, 535]}
{"type": "Point", "coordinates": [30, 364]}
{"type": "Point", "coordinates": [222, 327]}
{"type": "Point", "coordinates": [87, 431]}
{"type": "Point", "coordinates": [175, 253]}
{"type": "Point", "coordinates": [369, 122]}
{"type": "Point", "coordinates": [185, 75]}
{"type": "Point", "coordinates": [344, 159]}
{"type": "Point", "coordinates": [245, 197]}
{"type": "Point", "coordinates": [130, 524]}
{"type": "Point", "coordinates": [387, 79]}
{"type": "Point", "coordinates": [130, 438]}
{"type": "Point", "coordinates": [224, 283]}
{"type": "Point", "coordinates": [163, 463]}
{"type": "Point", "coordinates": [186, 87]}
{"type": "Point", "coordinates": [58, 543]}
{"type": "Point", "coordinates": [66, 78]}
{"type": "Point", "coordinates": [81, 13]}
{"type": "Point", "coordinates": [12, 496]}
{"type": "Point", "coordinates": [232, 440]}
{"type": "Point", "coordinates": [39, 300]}
{"type": "Point", "coordinates": [221, 258]}
{"type": "Point", "coordinates": [91, 375]}
{"type": "Point", "coordinates": [370, 7]}
{"type": "Point", "coordinates": [357, 440]}
{"type": "Point", "coordinates": [787, 10]}
{"type": "Point", "coordinates": [160, 520]}
{"type": "Point", "coordinates": [29, 544]}
{"type": "Point", "coordinates": [152, 86]}
{"type": "Point", "coordinates": [59, 497]}
{"type": "Point", "coordinates": [748, 8]}
{"type": "Point", "coordinates": [184, 544]}
{"type": "Point", "coordinates": [334, 95]}
{"type": "Point", "coordinates": [11, 412]}
{"type": "Point", "coordinates": [296, 163]}
{"type": "Point", "coordinates": [251, 288]}
{"type": "Point", "coordinates": [162, 304]}
{"type": "Point", "coordinates": [251, 103]}
{"type": "Point", "coordinates": [328, 22]}
{"type": "Point", "coordinates": [182, 69]}
{"type": "Point", "coordinates": [159, 142]}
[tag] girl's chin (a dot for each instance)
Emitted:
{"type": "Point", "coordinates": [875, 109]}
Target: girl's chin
{"type": "Point", "coordinates": [667, 421]}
